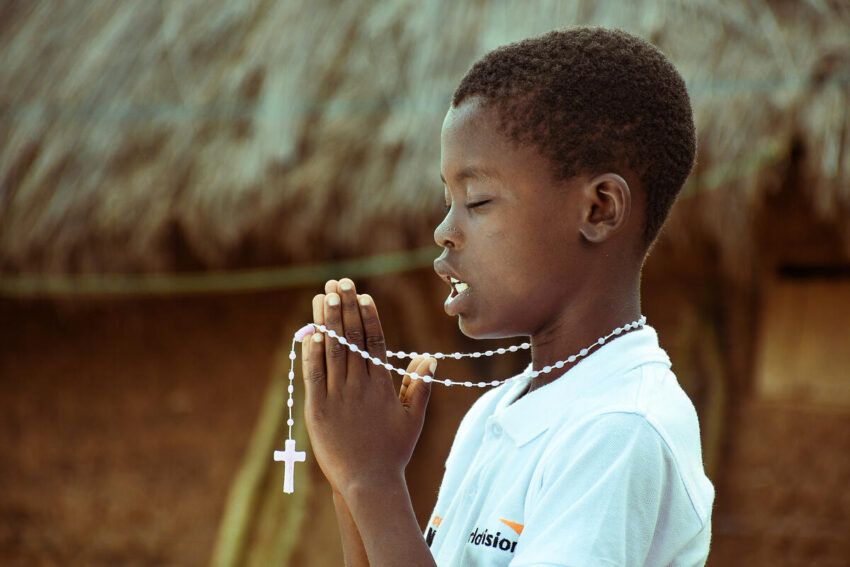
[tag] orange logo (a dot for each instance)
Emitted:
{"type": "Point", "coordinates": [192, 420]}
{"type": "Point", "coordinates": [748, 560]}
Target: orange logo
{"type": "Point", "coordinates": [437, 521]}
{"type": "Point", "coordinates": [513, 525]}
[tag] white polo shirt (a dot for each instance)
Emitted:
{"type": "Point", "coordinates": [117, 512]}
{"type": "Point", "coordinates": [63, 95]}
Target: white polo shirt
{"type": "Point", "coordinates": [603, 466]}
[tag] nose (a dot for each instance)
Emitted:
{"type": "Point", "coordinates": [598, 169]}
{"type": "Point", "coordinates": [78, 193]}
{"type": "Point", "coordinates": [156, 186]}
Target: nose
{"type": "Point", "coordinates": [447, 234]}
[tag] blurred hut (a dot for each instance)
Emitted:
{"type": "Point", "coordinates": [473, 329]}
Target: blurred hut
{"type": "Point", "coordinates": [178, 178]}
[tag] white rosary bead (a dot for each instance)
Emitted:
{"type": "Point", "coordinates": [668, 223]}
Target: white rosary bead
{"type": "Point", "coordinates": [458, 355]}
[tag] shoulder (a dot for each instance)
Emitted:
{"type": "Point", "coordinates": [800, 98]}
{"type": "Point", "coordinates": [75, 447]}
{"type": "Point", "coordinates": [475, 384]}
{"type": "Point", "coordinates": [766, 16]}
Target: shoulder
{"type": "Point", "coordinates": [634, 451]}
{"type": "Point", "coordinates": [604, 436]}
{"type": "Point", "coordinates": [610, 490]}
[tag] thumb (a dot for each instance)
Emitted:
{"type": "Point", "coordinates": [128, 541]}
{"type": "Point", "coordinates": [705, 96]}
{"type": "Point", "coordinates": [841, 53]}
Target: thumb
{"type": "Point", "coordinates": [419, 391]}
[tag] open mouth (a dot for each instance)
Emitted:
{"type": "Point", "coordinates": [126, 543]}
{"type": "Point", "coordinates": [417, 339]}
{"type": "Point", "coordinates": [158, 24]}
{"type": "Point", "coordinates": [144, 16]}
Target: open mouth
{"type": "Point", "coordinates": [458, 286]}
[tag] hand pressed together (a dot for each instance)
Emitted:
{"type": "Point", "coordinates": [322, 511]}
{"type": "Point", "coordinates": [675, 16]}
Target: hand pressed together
{"type": "Point", "coordinates": [362, 431]}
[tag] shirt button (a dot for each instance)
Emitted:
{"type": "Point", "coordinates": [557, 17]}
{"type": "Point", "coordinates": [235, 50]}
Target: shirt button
{"type": "Point", "coordinates": [496, 430]}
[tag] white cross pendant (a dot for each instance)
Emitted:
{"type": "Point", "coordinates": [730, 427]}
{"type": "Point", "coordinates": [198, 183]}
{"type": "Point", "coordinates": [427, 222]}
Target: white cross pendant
{"type": "Point", "coordinates": [290, 456]}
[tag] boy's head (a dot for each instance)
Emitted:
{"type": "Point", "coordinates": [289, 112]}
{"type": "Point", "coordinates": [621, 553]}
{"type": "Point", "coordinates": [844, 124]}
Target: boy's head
{"type": "Point", "coordinates": [561, 156]}
{"type": "Point", "coordinates": [593, 100]}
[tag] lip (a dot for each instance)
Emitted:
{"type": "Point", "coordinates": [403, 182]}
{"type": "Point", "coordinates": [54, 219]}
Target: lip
{"type": "Point", "coordinates": [445, 270]}
{"type": "Point", "coordinates": [455, 302]}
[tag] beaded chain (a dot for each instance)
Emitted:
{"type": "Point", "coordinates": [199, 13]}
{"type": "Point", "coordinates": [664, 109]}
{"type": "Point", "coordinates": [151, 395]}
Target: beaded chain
{"type": "Point", "coordinates": [312, 327]}
{"type": "Point", "coordinates": [290, 455]}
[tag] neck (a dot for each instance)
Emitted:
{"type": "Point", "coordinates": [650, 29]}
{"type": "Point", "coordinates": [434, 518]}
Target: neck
{"type": "Point", "coordinates": [582, 324]}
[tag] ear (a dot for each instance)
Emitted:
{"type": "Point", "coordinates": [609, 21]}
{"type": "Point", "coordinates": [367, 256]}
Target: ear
{"type": "Point", "coordinates": [608, 202]}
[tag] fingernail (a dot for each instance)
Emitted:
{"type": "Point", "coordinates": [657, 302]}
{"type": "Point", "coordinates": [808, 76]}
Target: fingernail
{"type": "Point", "coordinates": [365, 299]}
{"type": "Point", "coordinates": [333, 299]}
{"type": "Point", "coordinates": [433, 366]}
{"type": "Point", "coordinates": [345, 285]}
{"type": "Point", "coordinates": [317, 338]}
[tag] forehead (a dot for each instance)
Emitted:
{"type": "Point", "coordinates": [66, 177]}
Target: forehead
{"type": "Point", "coordinates": [471, 140]}
{"type": "Point", "coordinates": [471, 129]}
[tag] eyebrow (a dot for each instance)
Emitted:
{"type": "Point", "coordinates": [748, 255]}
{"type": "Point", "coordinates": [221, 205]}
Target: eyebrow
{"type": "Point", "coordinates": [470, 172]}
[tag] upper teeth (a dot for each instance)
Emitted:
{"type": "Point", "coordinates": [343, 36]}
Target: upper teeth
{"type": "Point", "coordinates": [459, 286]}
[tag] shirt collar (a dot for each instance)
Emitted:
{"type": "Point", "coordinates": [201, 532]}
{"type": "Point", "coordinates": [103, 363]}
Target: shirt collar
{"type": "Point", "coordinates": [534, 413]}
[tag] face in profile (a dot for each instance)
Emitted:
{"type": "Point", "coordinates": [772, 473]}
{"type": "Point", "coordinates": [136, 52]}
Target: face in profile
{"type": "Point", "coordinates": [512, 250]}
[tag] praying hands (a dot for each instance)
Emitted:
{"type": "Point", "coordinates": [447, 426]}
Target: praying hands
{"type": "Point", "coordinates": [362, 431]}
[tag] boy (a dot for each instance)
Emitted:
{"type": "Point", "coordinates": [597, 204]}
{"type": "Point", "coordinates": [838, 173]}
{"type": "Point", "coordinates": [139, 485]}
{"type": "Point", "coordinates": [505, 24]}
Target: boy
{"type": "Point", "coordinates": [561, 156]}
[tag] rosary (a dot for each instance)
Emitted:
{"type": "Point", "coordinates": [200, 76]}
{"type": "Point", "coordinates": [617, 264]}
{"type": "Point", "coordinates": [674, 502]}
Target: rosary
{"type": "Point", "coordinates": [290, 456]}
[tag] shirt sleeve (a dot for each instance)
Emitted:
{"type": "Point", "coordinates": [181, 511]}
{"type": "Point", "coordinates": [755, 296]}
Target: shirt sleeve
{"type": "Point", "coordinates": [602, 496]}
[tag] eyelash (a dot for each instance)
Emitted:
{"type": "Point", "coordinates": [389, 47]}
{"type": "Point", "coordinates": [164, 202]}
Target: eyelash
{"type": "Point", "coordinates": [447, 206]}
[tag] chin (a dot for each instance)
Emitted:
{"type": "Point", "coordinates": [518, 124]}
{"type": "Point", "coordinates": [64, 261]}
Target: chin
{"type": "Point", "coordinates": [476, 330]}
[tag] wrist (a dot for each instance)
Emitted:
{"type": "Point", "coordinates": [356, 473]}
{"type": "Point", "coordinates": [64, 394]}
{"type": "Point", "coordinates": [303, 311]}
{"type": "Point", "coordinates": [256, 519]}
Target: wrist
{"type": "Point", "coordinates": [373, 486]}
{"type": "Point", "coordinates": [383, 513]}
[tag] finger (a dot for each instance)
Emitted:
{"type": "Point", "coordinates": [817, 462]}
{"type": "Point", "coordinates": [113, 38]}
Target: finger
{"type": "Point", "coordinates": [407, 380]}
{"type": "Point", "coordinates": [305, 355]}
{"type": "Point", "coordinates": [315, 377]}
{"type": "Point", "coordinates": [374, 334]}
{"type": "Point", "coordinates": [419, 391]}
{"type": "Point", "coordinates": [335, 352]}
{"type": "Point", "coordinates": [319, 309]}
{"type": "Point", "coordinates": [353, 326]}
{"type": "Point", "coordinates": [331, 286]}
{"type": "Point", "coordinates": [318, 319]}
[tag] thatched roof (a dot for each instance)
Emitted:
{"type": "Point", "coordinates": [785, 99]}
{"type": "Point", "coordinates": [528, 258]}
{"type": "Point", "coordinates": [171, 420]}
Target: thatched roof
{"type": "Point", "coordinates": [162, 136]}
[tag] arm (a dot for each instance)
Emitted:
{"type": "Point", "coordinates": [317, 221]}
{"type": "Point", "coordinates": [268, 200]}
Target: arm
{"type": "Point", "coordinates": [352, 545]}
{"type": "Point", "coordinates": [388, 525]}
{"type": "Point", "coordinates": [363, 433]}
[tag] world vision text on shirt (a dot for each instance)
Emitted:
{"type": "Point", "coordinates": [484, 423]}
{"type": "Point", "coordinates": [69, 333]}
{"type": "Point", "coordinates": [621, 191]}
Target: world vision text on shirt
{"type": "Point", "coordinates": [496, 541]}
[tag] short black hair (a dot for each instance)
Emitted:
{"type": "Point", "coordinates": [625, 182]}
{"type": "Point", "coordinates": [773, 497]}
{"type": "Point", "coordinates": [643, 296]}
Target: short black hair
{"type": "Point", "coordinates": [594, 100]}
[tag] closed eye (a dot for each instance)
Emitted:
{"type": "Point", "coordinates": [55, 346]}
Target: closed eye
{"type": "Point", "coordinates": [477, 204]}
